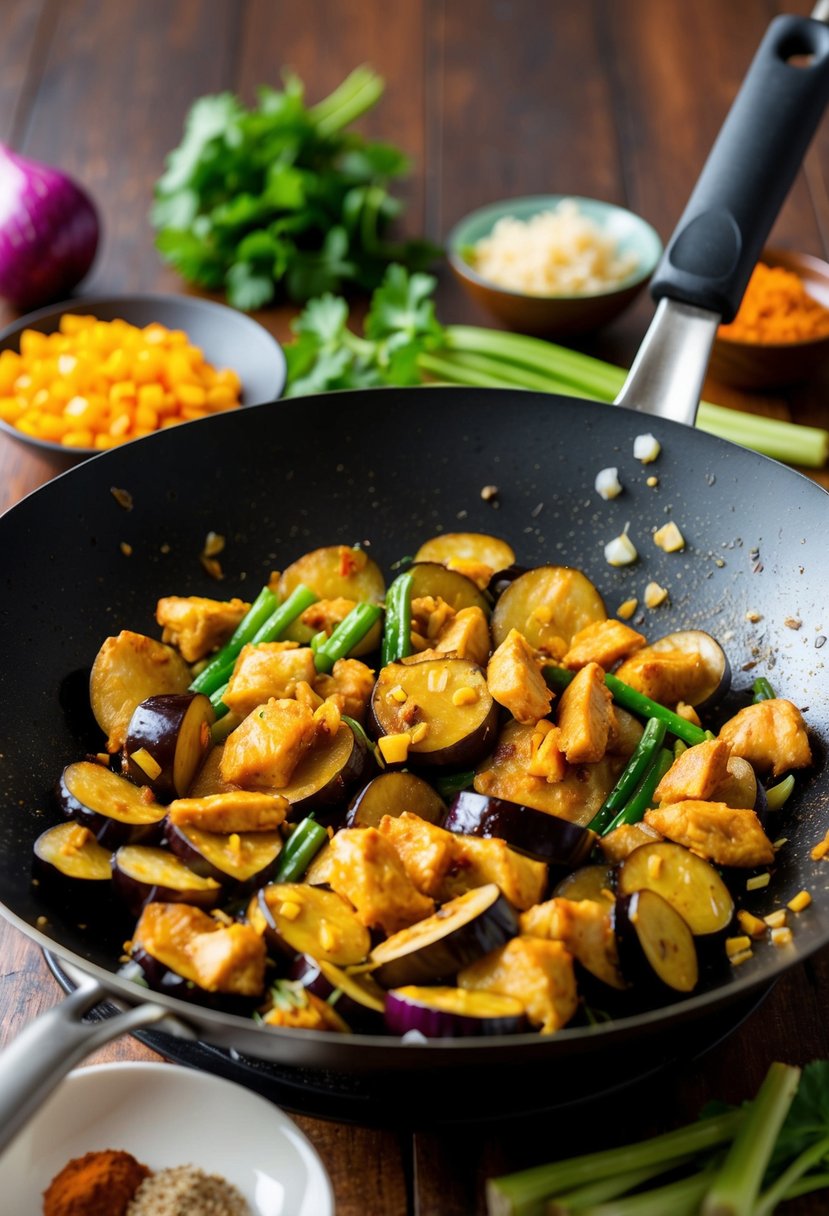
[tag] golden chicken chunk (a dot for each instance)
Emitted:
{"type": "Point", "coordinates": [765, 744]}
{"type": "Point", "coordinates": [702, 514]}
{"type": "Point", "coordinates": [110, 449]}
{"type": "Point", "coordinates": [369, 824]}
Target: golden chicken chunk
{"type": "Point", "coordinates": [466, 635]}
{"type": "Point", "coordinates": [536, 972]}
{"type": "Point", "coordinates": [586, 718]}
{"type": "Point", "coordinates": [667, 676]}
{"type": "Point", "coordinates": [365, 868]}
{"type": "Point", "coordinates": [197, 625]}
{"type": "Point", "coordinates": [602, 642]}
{"type": "Point", "coordinates": [216, 957]}
{"type": "Point", "coordinates": [350, 684]}
{"type": "Point", "coordinates": [584, 927]}
{"type": "Point", "coordinates": [620, 843]}
{"type": "Point", "coordinates": [233, 811]}
{"type": "Point", "coordinates": [270, 669]}
{"type": "Point", "coordinates": [263, 751]}
{"type": "Point", "coordinates": [426, 851]}
{"type": "Point", "coordinates": [771, 735]}
{"type": "Point", "coordinates": [695, 773]}
{"type": "Point", "coordinates": [722, 834]}
{"type": "Point", "coordinates": [514, 678]}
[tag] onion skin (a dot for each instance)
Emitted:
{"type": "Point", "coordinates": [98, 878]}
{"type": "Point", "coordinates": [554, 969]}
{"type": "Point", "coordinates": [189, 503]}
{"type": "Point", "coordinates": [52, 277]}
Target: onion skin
{"type": "Point", "coordinates": [49, 232]}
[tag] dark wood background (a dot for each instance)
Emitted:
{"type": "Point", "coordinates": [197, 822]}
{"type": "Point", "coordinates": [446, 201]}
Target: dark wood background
{"type": "Point", "coordinates": [617, 99]}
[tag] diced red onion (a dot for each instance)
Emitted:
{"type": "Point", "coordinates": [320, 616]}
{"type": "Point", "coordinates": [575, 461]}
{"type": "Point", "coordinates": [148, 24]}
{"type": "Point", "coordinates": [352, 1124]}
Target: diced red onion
{"type": "Point", "coordinates": [49, 232]}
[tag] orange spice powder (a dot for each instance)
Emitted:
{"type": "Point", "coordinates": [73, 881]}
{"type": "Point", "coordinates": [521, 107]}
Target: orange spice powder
{"type": "Point", "coordinates": [776, 308]}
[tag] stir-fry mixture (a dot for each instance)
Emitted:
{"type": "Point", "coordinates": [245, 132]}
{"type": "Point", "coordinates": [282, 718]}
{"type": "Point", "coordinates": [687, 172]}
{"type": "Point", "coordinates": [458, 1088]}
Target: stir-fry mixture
{"type": "Point", "coordinates": [468, 803]}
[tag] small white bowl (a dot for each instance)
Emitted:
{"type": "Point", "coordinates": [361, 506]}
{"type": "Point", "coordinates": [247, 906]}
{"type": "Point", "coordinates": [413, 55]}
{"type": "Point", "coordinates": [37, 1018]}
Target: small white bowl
{"type": "Point", "coordinates": [167, 1115]}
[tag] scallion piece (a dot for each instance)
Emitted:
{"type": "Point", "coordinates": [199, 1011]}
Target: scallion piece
{"type": "Point", "coordinates": [302, 846]}
{"type": "Point", "coordinates": [217, 671]}
{"type": "Point", "coordinates": [642, 797]}
{"type": "Point", "coordinates": [397, 634]}
{"type": "Point", "coordinates": [640, 761]}
{"type": "Point", "coordinates": [762, 690]}
{"type": "Point", "coordinates": [778, 795]}
{"type": "Point", "coordinates": [351, 630]}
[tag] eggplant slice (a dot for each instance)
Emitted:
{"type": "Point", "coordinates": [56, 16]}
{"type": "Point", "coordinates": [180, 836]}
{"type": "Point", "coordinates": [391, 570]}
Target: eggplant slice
{"type": "Point", "coordinates": [114, 809]}
{"type": "Point", "coordinates": [689, 883]}
{"type": "Point", "coordinates": [656, 947]}
{"type": "Point", "coordinates": [540, 835]}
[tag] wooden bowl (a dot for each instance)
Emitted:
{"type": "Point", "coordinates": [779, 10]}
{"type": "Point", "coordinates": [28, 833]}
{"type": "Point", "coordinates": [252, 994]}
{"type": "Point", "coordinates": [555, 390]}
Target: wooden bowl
{"type": "Point", "coordinates": [753, 365]}
{"type": "Point", "coordinates": [227, 337]}
{"type": "Point", "coordinates": [554, 315]}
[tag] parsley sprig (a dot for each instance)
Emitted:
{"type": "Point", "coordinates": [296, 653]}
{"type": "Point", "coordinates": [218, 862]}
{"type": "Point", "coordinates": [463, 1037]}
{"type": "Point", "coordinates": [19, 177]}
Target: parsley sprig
{"type": "Point", "coordinates": [282, 199]}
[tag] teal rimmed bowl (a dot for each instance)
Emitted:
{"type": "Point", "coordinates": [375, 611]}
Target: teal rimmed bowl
{"type": "Point", "coordinates": [554, 315]}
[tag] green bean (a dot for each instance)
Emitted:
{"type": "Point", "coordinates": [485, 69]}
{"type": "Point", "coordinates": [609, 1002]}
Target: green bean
{"type": "Point", "coordinates": [218, 670]}
{"type": "Point", "coordinates": [633, 772]}
{"type": "Point", "coordinates": [397, 634]}
{"type": "Point", "coordinates": [762, 690]}
{"type": "Point", "coordinates": [351, 630]}
{"type": "Point", "coordinates": [640, 800]}
{"type": "Point", "coordinates": [302, 846]}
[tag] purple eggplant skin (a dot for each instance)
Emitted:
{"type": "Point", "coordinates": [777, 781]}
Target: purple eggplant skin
{"type": "Point", "coordinates": [545, 837]}
{"type": "Point", "coordinates": [110, 832]}
{"type": "Point", "coordinates": [645, 919]}
{"type": "Point", "coordinates": [174, 728]}
{"type": "Point", "coordinates": [324, 791]}
{"type": "Point", "coordinates": [501, 579]}
{"type": "Point", "coordinates": [392, 793]}
{"type": "Point", "coordinates": [185, 847]}
{"type": "Point", "coordinates": [358, 1015]}
{"type": "Point", "coordinates": [404, 1014]}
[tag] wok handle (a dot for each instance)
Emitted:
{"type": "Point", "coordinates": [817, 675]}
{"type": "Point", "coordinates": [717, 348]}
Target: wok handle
{"type": "Point", "coordinates": [45, 1050]}
{"type": "Point", "coordinates": [755, 158]}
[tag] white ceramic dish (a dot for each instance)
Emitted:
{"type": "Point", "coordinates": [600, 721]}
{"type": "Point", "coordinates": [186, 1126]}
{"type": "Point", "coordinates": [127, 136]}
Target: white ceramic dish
{"type": "Point", "coordinates": [168, 1115]}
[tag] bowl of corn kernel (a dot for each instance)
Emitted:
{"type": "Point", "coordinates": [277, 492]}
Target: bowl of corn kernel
{"type": "Point", "coordinates": [90, 374]}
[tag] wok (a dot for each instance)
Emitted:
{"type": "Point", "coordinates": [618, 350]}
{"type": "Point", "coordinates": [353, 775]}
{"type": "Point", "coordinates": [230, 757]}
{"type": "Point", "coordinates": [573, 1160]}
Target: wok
{"type": "Point", "coordinates": [389, 468]}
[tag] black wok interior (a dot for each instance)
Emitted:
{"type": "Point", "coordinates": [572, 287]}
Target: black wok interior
{"type": "Point", "coordinates": [389, 468]}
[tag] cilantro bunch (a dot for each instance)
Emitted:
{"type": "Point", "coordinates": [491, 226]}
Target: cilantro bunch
{"type": "Point", "coordinates": [281, 200]}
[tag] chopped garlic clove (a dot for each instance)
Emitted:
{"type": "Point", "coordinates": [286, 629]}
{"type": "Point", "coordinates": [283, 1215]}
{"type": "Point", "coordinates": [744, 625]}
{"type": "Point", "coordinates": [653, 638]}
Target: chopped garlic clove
{"type": "Point", "coordinates": [655, 595]}
{"type": "Point", "coordinates": [621, 551]}
{"type": "Point", "coordinates": [668, 538]}
{"type": "Point", "coordinates": [607, 483]}
{"type": "Point", "coordinates": [646, 448]}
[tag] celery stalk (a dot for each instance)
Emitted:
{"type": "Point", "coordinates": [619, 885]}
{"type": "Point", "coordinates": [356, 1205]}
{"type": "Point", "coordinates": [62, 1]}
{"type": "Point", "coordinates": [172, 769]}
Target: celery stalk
{"type": "Point", "coordinates": [737, 1183]}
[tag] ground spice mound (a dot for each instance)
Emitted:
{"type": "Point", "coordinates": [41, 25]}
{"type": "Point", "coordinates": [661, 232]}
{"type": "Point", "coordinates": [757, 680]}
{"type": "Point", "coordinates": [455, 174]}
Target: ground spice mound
{"type": "Point", "coordinates": [98, 1184]}
{"type": "Point", "coordinates": [185, 1190]}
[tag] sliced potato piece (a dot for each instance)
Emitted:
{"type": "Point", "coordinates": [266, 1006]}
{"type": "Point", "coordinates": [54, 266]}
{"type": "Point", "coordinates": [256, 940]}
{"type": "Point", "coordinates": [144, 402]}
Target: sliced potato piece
{"type": "Point", "coordinates": [128, 669]}
{"type": "Point", "coordinates": [549, 606]}
{"type": "Point", "coordinates": [296, 918]}
{"type": "Point", "coordinates": [335, 572]}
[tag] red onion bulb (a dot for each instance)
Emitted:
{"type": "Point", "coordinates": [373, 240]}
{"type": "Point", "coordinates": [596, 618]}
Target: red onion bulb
{"type": "Point", "coordinates": [49, 231]}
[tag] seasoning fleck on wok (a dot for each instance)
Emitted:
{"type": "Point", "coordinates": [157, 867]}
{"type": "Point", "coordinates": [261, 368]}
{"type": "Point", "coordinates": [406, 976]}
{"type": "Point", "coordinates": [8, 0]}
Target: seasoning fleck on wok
{"type": "Point", "coordinates": [185, 1190]}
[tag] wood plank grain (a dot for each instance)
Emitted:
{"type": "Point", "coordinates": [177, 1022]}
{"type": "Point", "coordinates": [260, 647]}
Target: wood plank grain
{"type": "Point", "coordinates": [26, 32]}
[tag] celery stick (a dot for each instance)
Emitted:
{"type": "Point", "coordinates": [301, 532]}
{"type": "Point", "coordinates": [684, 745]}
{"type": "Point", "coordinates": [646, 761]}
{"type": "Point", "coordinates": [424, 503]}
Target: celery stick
{"type": "Point", "coordinates": [737, 1183]}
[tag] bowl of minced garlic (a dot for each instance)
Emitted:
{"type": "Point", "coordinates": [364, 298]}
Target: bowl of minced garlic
{"type": "Point", "coordinates": [780, 335]}
{"type": "Point", "coordinates": [111, 1182]}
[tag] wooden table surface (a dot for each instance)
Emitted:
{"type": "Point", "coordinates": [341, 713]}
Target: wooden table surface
{"type": "Point", "coordinates": [490, 98]}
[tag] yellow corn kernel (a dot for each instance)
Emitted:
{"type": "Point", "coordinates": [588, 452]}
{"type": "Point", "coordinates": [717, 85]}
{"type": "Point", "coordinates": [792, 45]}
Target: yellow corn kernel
{"type": "Point", "coordinates": [758, 882]}
{"type": "Point", "coordinates": [626, 609]}
{"type": "Point", "coordinates": [743, 956]}
{"type": "Point", "coordinates": [145, 418]}
{"type": "Point", "coordinates": [752, 925]}
{"type": "Point", "coordinates": [78, 439]}
{"type": "Point", "coordinates": [191, 396]}
{"type": "Point", "coordinates": [782, 937]}
{"type": "Point", "coordinates": [818, 852]}
{"type": "Point", "coordinates": [655, 865]}
{"type": "Point", "coordinates": [800, 901]}
{"type": "Point", "coordinates": [290, 909]}
{"type": "Point", "coordinates": [146, 762]}
{"type": "Point", "coordinates": [420, 732]}
{"type": "Point", "coordinates": [655, 595]}
{"type": "Point", "coordinates": [776, 919]}
{"type": "Point", "coordinates": [124, 390]}
{"type": "Point", "coordinates": [234, 843]}
{"type": "Point", "coordinates": [328, 937]}
{"type": "Point", "coordinates": [394, 748]}
{"type": "Point", "coordinates": [668, 538]}
{"type": "Point", "coordinates": [151, 396]}
{"type": "Point", "coordinates": [735, 945]}
{"type": "Point", "coordinates": [398, 694]}
{"type": "Point", "coordinates": [220, 396]}
{"type": "Point", "coordinates": [464, 696]}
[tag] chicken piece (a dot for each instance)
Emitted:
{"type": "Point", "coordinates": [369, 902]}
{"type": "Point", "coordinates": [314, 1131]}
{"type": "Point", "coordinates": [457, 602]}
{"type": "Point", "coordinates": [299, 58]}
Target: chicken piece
{"type": "Point", "coordinates": [234, 811]}
{"type": "Point", "coordinates": [263, 751]}
{"type": "Point", "coordinates": [620, 843]}
{"type": "Point", "coordinates": [722, 834]}
{"type": "Point", "coordinates": [325, 615]}
{"type": "Point", "coordinates": [366, 869]}
{"type": "Point", "coordinates": [430, 613]}
{"type": "Point", "coordinates": [536, 972]}
{"type": "Point", "coordinates": [770, 735]}
{"type": "Point", "coordinates": [514, 678]}
{"type": "Point", "coordinates": [427, 851]}
{"type": "Point", "coordinates": [585, 716]}
{"type": "Point", "coordinates": [585, 928]}
{"type": "Point", "coordinates": [176, 935]}
{"type": "Point", "coordinates": [466, 635]}
{"type": "Point", "coordinates": [695, 773]}
{"type": "Point", "coordinates": [229, 958]}
{"type": "Point", "coordinates": [196, 625]}
{"type": "Point", "coordinates": [602, 642]}
{"type": "Point", "coordinates": [350, 684]}
{"type": "Point", "coordinates": [269, 669]}
{"type": "Point", "coordinates": [547, 758]}
{"type": "Point", "coordinates": [477, 862]}
{"type": "Point", "coordinates": [667, 676]}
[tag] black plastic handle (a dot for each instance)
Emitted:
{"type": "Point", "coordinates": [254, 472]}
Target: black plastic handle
{"type": "Point", "coordinates": [750, 169]}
